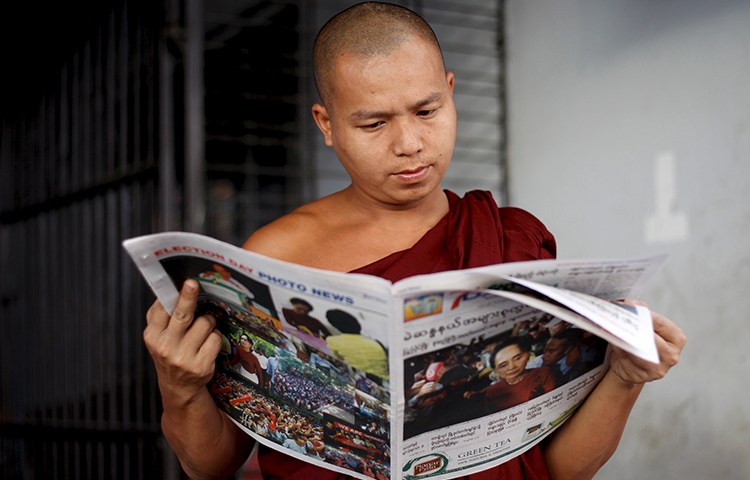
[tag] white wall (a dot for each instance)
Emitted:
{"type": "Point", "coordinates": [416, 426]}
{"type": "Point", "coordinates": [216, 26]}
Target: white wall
{"type": "Point", "coordinates": [599, 94]}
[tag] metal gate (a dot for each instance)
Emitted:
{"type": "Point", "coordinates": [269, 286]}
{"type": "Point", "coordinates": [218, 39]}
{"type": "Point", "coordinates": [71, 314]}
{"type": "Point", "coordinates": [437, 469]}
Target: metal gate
{"type": "Point", "coordinates": [117, 141]}
{"type": "Point", "coordinates": [148, 117]}
{"type": "Point", "coordinates": [78, 173]}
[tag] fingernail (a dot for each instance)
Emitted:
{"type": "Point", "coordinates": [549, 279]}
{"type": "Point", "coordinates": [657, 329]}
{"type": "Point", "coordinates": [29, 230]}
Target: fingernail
{"type": "Point", "coordinates": [190, 286]}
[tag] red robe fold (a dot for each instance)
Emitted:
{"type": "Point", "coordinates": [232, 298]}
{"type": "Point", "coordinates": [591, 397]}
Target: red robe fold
{"type": "Point", "coordinates": [474, 233]}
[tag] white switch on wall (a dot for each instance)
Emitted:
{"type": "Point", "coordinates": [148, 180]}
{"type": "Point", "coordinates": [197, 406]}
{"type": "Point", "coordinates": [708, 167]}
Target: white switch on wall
{"type": "Point", "coordinates": [665, 225]}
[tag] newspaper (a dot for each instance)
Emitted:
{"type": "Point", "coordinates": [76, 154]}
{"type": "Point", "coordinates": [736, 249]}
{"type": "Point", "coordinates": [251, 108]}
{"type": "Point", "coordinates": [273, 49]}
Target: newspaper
{"type": "Point", "coordinates": [436, 376]}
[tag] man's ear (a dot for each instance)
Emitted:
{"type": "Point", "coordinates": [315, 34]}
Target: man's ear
{"type": "Point", "coordinates": [451, 79]}
{"type": "Point", "coordinates": [323, 120]}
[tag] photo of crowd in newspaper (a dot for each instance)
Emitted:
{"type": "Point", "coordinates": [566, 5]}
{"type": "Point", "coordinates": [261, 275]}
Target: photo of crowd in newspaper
{"type": "Point", "coordinates": [314, 386]}
{"type": "Point", "coordinates": [486, 378]}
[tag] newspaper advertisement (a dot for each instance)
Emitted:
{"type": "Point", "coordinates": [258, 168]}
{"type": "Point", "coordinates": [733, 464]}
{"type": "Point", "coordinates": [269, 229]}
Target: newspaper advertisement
{"type": "Point", "coordinates": [436, 376]}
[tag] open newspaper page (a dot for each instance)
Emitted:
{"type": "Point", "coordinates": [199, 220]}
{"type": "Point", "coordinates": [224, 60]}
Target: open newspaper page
{"type": "Point", "coordinates": [496, 358]}
{"type": "Point", "coordinates": [304, 366]}
{"type": "Point", "coordinates": [435, 376]}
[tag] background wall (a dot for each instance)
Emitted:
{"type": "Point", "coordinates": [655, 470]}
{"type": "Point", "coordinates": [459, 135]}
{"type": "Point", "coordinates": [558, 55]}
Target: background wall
{"type": "Point", "coordinates": [629, 134]}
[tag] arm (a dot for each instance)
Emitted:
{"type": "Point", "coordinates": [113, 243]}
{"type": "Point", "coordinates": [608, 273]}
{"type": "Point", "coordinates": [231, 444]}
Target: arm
{"type": "Point", "coordinates": [184, 350]}
{"type": "Point", "coordinates": [588, 439]}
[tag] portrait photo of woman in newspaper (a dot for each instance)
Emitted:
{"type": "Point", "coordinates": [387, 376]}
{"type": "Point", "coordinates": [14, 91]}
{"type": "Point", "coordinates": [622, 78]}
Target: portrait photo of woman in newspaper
{"type": "Point", "coordinates": [516, 383]}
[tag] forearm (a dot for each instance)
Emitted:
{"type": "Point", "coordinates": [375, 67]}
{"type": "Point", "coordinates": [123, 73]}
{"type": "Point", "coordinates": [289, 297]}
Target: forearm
{"type": "Point", "coordinates": [589, 438]}
{"type": "Point", "coordinates": [207, 443]}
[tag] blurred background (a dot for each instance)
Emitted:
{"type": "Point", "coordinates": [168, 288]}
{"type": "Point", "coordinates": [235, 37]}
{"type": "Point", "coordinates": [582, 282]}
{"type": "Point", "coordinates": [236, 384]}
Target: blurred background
{"type": "Point", "coordinates": [623, 125]}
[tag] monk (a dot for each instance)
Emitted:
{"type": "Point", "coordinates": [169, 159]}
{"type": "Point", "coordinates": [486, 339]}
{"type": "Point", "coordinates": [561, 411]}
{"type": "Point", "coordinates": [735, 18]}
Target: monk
{"type": "Point", "coordinates": [387, 111]}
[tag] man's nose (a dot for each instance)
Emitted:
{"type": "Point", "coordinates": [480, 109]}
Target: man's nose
{"type": "Point", "coordinates": [408, 138]}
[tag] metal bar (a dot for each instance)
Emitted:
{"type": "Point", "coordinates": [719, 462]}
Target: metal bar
{"type": "Point", "coordinates": [123, 68]}
{"type": "Point", "coordinates": [110, 80]}
{"type": "Point", "coordinates": [75, 120]}
{"type": "Point", "coordinates": [94, 243]}
{"type": "Point", "coordinates": [109, 294]}
{"type": "Point", "coordinates": [6, 160]}
{"type": "Point", "coordinates": [98, 117]}
{"type": "Point", "coordinates": [149, 46]}
{"type": "Point", "coordinates": [50, 147]}
{"type": "Point", "coordinates": [195, 186]}
{"type": "Point", "coordinates": [124, 304]}
{"type": "Point", "coordinates": [24, 311]}
{"type": "Point", "coordinates": [76, 257]}
{"type": "Point", "coordinates": [63, 118]}
{"type": "Point", "coordinates": [130, 311]}
{"type": "Point", "coordinates": [503, 120]}
{"type": "Point", "coordinates": [37, 148]}
{"type": "Point", "coordinates": [134, 101]}
{"type": "Point", "coordinates": [110, 259]}
{"type": "Point", "coordinates": [167, 185]}
{"type": "Point", "coordinates": [42, 325]}
{"type": "Point", "coordinates": [99, 320]}
{"type": "Point", "coordinates": [305, 95]}
{"type": "Point", "coordinates": [84, 128]}
{"type": "Point", "coordinates": [139, 367]}
{"type": "Point", "coordinates": [31, 139]}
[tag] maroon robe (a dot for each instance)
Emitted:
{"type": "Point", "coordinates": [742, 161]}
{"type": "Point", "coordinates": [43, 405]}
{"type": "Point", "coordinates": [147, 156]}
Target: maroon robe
{"type": "Point", "coordinates": [502, 395]}
{"type": "Point", "coordinates": [474, 233]}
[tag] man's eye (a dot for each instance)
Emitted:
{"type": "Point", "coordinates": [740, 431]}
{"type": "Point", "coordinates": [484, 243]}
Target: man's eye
{"type": "Point", "coordinates": [372, 126]}
{"type": "Point", "coordinates": [427, 113]}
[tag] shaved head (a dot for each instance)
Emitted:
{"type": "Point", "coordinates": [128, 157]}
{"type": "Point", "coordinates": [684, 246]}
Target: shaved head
{"type": "Point", "coordinates": [370, 29]}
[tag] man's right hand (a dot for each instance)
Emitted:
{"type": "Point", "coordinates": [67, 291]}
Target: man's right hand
{"type": "Point", "coordinates": [184, 348]}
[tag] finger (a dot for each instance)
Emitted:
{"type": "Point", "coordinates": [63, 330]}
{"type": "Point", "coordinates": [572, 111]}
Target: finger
{"type": "Point", "coordinates": [669, 353]}
{"type": "Point", "coordinates": [199, 330]}
{"type": "Point", "coordinates": [211, 347]}
{"type": "Point", "coordinates": [182, 316]}
{"type": "Point", "coordinates": [157, 320]}
{"type": "Point", "coordinates": [668, 330]}
{"type": "Point", "coordinates": [633, 302]}
{"type": "Point", "coordinates": [631, 358]}
{"type": "Point", "coordinates": [632, 369]}
{"type": "Point", "coordinates": [157, 316]}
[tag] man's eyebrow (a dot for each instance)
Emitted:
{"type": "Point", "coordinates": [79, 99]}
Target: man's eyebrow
{"type": "Point", "coordinates": [433, 97]}
{"type": "Point", "coordinates": [361, 115]}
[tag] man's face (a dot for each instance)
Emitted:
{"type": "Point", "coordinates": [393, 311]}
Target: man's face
{"type": "Point", "coordinates": [554, 350]}
{"type": "Point", "coordinates": [392, 122]}
{"type": "Point", "coordinates": [300, 309]}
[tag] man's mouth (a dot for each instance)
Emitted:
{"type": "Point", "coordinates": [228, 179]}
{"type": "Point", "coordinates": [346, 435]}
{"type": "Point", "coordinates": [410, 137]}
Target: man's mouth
{"type": "Point", "coordinates": [413, 174]}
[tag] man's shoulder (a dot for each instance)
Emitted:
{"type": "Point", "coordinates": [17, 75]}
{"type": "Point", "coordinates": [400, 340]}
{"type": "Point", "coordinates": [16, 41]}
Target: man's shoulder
{"type": "Point", "coordinates": [304, 236]}
{"type": "Point", "coordinates": [523, 236]}
{"type": "Point", "coordinates": [513, 216]}
{"type": "Point", "coordinates": [286, 234]}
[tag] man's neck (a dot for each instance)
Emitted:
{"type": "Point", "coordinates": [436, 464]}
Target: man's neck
{"type": "Point", "coordinates": [435, 201]}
